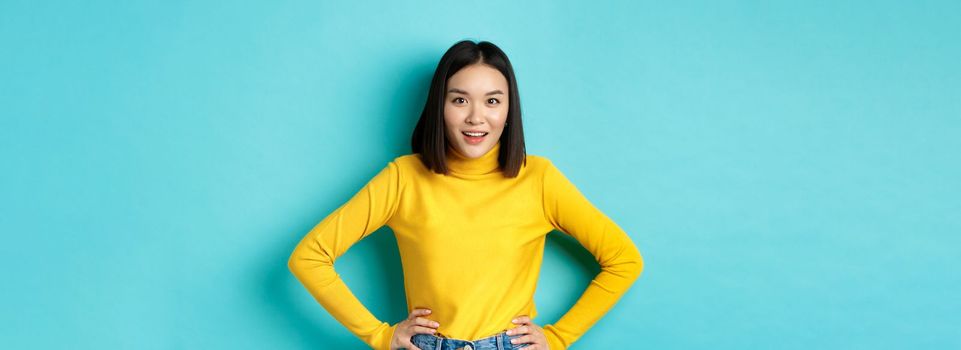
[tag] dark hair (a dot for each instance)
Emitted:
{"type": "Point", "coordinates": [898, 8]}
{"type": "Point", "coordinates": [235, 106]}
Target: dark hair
{"type": "Point", "coordinates": [430, 139]}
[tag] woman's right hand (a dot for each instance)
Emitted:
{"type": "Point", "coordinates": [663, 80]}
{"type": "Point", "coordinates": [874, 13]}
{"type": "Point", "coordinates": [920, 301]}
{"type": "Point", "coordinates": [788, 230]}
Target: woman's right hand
{"type": "Point", "coordinates": [414, 324]}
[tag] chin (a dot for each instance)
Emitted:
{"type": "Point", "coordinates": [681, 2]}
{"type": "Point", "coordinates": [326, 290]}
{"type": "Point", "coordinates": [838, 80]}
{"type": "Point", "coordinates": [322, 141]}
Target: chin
{"type": "Point", "coordinates": [475, 150]}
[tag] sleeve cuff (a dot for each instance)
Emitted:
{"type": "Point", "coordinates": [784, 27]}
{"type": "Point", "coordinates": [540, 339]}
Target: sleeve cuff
{"type": "Point", "coordinates": [383, 342]}
{"type": "Point", "coordinates": [554, 342]}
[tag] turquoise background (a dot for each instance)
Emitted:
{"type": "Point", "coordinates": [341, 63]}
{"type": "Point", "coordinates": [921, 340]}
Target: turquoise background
{"type": "Point", "coordinates": [789, 171]}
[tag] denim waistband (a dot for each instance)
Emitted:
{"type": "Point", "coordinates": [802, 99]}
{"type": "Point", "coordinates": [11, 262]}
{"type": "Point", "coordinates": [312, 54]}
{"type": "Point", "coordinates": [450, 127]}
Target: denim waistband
{"type": "Point", "coordinates": [499, 341]}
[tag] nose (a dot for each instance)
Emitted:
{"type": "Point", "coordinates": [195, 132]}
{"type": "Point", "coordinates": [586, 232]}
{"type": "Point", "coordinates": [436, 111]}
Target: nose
{"type": "Point", "coordinates": [474, 119]}
{"type": "Point", "coordinates": [476, 115]}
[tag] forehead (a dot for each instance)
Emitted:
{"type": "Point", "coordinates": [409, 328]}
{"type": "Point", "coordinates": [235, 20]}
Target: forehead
{"type": "Point", "coordinates": [478, 78]}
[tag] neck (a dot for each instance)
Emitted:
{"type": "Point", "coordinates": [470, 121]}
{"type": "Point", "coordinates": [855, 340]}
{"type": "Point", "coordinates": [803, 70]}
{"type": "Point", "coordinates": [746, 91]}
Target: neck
{"type": "Point", "coordinates": [486, 163]}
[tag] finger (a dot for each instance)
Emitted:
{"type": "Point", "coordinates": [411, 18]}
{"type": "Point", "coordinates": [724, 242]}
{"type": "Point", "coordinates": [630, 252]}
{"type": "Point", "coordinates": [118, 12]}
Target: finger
{"type": "Point", "coordinates": [418, 312]}
{"type": "Point", "coordinates": [522, 320]}
{"type": "Point", "coordinates": [420, 321]}
{"type": "Point", "coordinates": [423, 330]}
{"type": "Point", "coordinates": [522, 340]}
{"type": "Point", "coordinates": [518, 330]}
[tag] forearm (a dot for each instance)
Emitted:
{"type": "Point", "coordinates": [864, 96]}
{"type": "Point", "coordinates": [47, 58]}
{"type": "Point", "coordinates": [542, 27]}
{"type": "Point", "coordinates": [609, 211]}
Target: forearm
{"type": "Point", "coordinates": [598, 298]}
{"type": "Point", "coordinates": [332, 293]}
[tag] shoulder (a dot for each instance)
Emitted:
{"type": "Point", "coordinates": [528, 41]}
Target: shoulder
{"type": "Point", "coordinates": [408, 162]}
{"type": "Point", "coordinates": [405, 159]}
{"type": "Point", "coordinates": [550, 174]}
{"type": "Point", "coordinates": [409, 165]}
{"type": "Point", "coordinates": [539, 163]}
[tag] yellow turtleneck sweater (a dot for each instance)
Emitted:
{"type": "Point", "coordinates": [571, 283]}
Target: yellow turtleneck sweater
{"type": "Point", "coordinates": [471, 244]}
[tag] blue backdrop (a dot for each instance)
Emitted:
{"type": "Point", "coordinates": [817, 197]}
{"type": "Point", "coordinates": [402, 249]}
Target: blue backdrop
{"type": "Point", "coordinates": [788, 170]}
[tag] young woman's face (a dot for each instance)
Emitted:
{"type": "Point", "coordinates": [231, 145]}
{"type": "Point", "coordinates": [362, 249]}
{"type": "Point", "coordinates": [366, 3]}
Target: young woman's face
{"type": "Point", "coordinates": [476, 100]}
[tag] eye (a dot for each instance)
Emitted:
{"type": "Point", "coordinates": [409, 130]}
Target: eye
{"type": "Point", "coordinates": [495, 101]}
{"type": "Point", "coordinates": [457, 99]}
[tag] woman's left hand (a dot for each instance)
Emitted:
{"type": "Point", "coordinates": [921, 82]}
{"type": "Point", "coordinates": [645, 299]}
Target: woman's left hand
{"type": "Point", "coordinates": [533, 334]}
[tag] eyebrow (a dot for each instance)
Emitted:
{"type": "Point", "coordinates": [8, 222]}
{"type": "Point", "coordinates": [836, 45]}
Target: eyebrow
{"type": "Point", "coordinates": [495, 92]}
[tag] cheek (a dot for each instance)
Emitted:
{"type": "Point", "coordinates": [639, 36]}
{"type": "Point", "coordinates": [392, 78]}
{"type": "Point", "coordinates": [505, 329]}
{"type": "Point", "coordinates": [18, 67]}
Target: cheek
{"type": "Point", "coordinates": [452, 119]}
{"type": "Point", "coordinates": [497, 115]}
{"type": "Point", "coordinates": [502, 116]}
{"type": "Point", "coordinates": [452, 114]}
{"type": "Point", "coordinates": [500, 126]}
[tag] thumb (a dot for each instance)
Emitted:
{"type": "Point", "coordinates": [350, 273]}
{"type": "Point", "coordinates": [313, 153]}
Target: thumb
{"type": "Point", "coordinates": [406, 342]}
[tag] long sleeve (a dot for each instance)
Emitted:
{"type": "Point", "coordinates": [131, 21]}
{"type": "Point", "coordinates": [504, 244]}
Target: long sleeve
{"type": "Point", "coordinates": [620, 260]}
{"type": "Point", "coordinates": [312, 261]}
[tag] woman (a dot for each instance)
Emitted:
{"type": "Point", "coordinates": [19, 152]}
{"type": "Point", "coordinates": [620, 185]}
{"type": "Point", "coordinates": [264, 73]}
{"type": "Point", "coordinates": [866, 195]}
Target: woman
{"type": "Point", "coordinates": [470, 210]}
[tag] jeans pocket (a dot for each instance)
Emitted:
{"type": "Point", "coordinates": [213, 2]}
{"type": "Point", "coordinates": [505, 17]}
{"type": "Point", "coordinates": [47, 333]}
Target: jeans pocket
{"type": "Point", "coordinates": [422, 341]}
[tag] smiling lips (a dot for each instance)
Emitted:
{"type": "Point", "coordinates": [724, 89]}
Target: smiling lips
{"type": "Point", "coordinates": [474, 137]}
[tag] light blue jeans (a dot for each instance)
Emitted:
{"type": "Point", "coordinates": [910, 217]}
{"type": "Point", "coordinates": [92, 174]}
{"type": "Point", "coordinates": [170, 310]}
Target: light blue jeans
{"type": "Point", "coordinates": [500, 341]}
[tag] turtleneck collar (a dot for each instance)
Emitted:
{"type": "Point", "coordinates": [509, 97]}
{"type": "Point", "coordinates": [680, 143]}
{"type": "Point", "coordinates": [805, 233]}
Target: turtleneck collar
{"type": "Point", "coordinates": [461, 164]}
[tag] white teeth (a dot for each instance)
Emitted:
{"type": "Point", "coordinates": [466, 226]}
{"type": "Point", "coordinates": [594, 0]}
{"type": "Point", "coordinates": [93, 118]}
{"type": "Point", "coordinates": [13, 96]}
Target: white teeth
{"type": "Point", "coordinates": [474, 134]}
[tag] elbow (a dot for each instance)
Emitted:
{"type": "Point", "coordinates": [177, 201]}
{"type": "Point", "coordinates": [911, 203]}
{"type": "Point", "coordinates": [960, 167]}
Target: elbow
{"type": "Point", "coordinates": [294, 264]}
{"type": "Point", "coordinates": [633, 263]}
{"type": "Point", "coordinates": [300, 261]}
{"type": "Point", "coordinates": [638, 264]}
{"type": "Point", "coordinates": [627, 266]}
{"type": "Point", "coordinates": [306, 264]}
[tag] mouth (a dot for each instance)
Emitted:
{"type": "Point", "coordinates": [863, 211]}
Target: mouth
{"type": "Point", "coordinates": [474, 137]}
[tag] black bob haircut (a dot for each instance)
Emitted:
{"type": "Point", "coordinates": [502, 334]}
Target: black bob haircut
{"type": "Point", "coordinates": [430, 139]}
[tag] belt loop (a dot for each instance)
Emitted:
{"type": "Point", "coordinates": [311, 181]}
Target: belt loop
{"type": "Point", "coordinates": [440, 342]}
{"type": "Point", "coordinates": [500, 341]}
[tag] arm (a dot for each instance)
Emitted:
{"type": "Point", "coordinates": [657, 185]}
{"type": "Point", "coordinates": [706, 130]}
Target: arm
{"type": "Point", "coordinates": [312, 261]}
{"type": "Point", "coordinates": [621, 264]}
